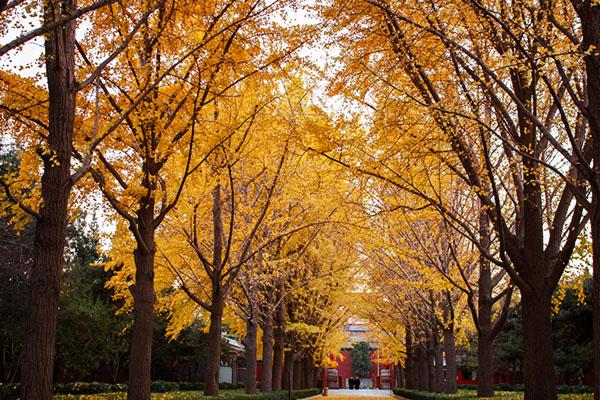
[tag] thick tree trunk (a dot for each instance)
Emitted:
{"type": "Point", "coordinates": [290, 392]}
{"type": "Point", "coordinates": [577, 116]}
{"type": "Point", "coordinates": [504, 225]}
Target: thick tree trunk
{"type": "Point", "coordinates": [266, 384]}
{"type": "Point", "coordinates": [450, 351]}
{"type": "Point", "coordinates": [213, 357]}
{"type": "Point", "coordinates": [485, 357]}
{"type": "Point", "coordinates": [50, 231]}
{"type": "Point", "coordinates": [538, 362]}
{"type": "Point", "coordinates": [250, 353]}
{"type": "Point", "coordinates": [144, 297]}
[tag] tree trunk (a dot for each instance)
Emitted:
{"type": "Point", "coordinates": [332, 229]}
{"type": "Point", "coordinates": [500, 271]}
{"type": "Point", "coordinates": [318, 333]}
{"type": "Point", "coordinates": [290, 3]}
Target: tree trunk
{"type": "Point", "coordinates": [297, 375]}
{"type": "Point", "coordinates": [140, 361]}
{"type": "Point", "coordinates": [485, 355]}
{"type": "Point", "coordinates": [312, 376]}
{"type": "Point", "coordinates": [538, 362]}
{"type": "Point", "coordinates": [409, 366]}
{"type": "Point", "coordinates": [278, 360]}
{"type": "Point", "coordinates": [213, 357]}
{"type": "Point", "coordinates": [430, 369]}
{"type": "Point", "coordinates": [250, 352]}
{"type": "Point", "coordinates": [450, 350]}
{"type": "Point", "coordinates": [401, 376]}
{"type": "Point", "coordinates": [288, 371]}
{"type": "Point", "coordinates": [439, 367]}
{"type": "Point", "coordinates": [50, 230]}
{"type": "Point", "coordinates": [266, 384]}
{"type": "Point", "coordinates": [423, 373]}
{"type": "Point", "coordinates": [306, 371]}
{"type": "Point", "coordinates": [485, 358]}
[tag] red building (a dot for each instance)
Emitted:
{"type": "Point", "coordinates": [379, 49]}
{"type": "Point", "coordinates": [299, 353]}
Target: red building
{"type": "Point", "coordinates": [381, 376]}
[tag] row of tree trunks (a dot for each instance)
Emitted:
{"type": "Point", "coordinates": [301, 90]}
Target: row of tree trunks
{"type": "Point", "coordinates": [424, 368]}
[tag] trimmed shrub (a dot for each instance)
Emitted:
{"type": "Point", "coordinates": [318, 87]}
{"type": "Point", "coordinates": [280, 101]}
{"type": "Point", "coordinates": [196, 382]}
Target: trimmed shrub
{"type": "Point", "coordinates": [472, 395]}
{"type": "Point", "coordinates": [172, 390]}
{"type": "Point", "coordinates": [507, 387]}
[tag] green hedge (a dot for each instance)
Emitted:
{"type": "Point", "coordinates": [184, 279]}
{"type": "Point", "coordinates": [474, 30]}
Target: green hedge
{"type": "Point", "coordinates": [416, 395]}
{"type": "Point", "coordinates": [195, 395]}
{"type": "Point", "coordinates": [282, 395]}
{"type": "Point", "coordinates": [507, 387]}
{"type": "Point", "coordinates": [11, 391]}
{"type": "Point", "coordinates": [464, 394]}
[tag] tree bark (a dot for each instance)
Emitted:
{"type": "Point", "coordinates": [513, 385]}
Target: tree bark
{"type": "Point", "coordinates": [51, 225]}
{"type": "Point", "coordinates": [144, 298]}
{"type": "Point", "coordinates": [213, 357]}
{"type": "Point", "coordinates": [450, 351]}
{"type": "Point", "coordinates": [538, 362]}
{"type": "Point", "coordinates": [485, 358]}
{"type": "Point", "coordinates": [266, 384]}
{"type": "Point", "coordinates": [250, 352]}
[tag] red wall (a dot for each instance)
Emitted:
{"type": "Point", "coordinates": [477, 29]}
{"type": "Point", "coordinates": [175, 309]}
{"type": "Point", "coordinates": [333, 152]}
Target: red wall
{"type": "Point", "coordinates": [345, 367]}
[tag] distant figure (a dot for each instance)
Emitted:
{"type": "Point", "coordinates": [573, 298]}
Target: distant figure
{"type": "Point", "coordinates": [351, 382]}
{"type": "Point", "coordinates": [357, 384]}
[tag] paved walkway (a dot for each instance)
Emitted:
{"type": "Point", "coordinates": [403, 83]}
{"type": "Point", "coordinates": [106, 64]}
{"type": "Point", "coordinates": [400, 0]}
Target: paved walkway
{"type": "Point", "coordinates": [361, 392]}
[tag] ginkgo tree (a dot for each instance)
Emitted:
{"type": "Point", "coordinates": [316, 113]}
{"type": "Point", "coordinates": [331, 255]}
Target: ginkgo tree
{"type": "Point", "coordinates": [47, 119]}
